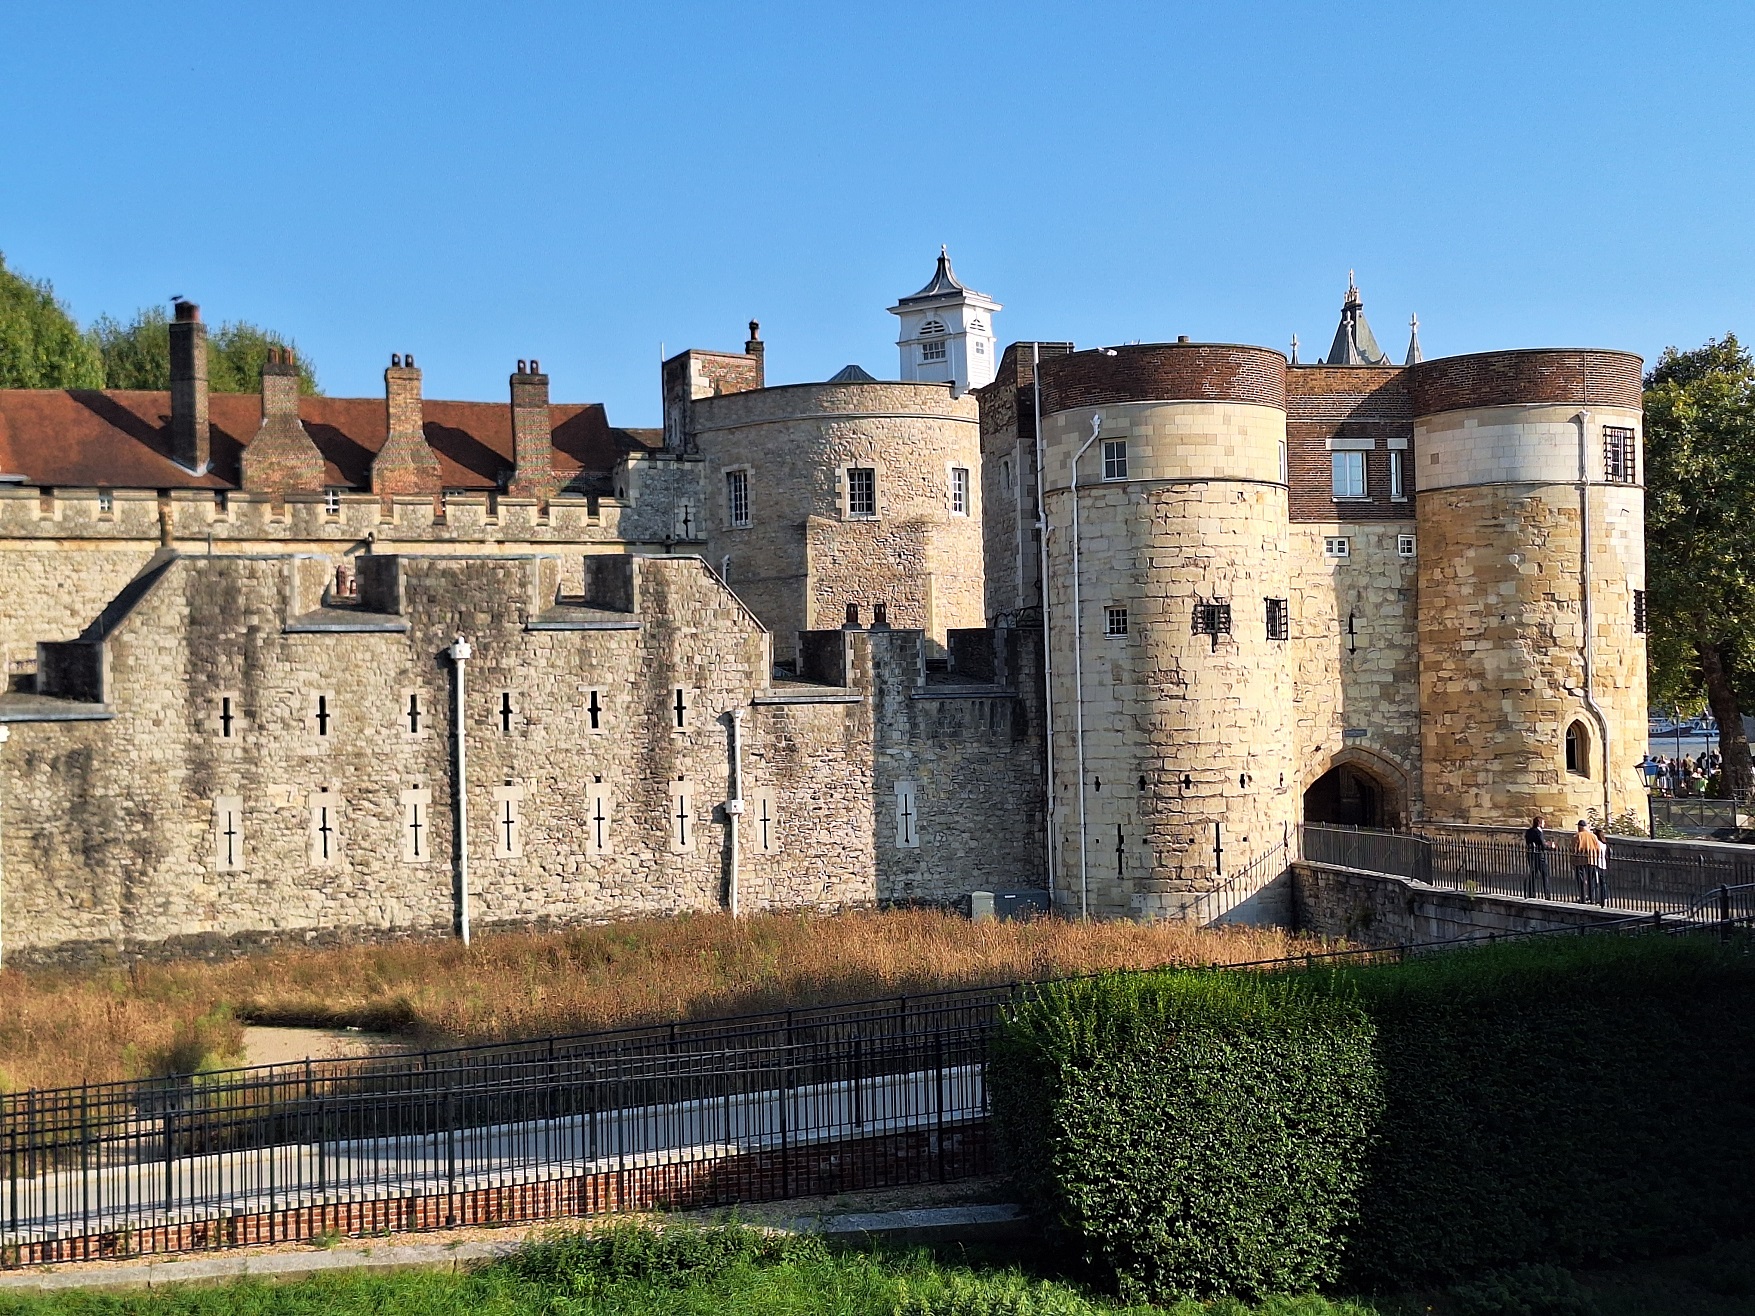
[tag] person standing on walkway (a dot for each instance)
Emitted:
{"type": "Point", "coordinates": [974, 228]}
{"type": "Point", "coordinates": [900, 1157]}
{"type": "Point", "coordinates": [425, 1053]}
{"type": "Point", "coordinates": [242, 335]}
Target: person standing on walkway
{"type": "Point", "coordinates": [1535, 845]}
{"type": "Point", "coordinates": [1584, 858]}
{"type": "Point", "coordinates": [1599, 868]}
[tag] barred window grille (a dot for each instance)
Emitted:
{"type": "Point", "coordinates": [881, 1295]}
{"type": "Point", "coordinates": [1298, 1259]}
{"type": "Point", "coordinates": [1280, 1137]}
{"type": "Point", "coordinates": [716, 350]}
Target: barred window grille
{"type": "Point", "coordinates": [1639, 612]}
{"type": "Point", "coordinates": [1212, 617]}
{"type": "Point", "coordinates": [861, 491]}
{"type": "Point", "coordinates": [1115, 621]}
{"type": "Point", "coordinates": [1619, 455]}
{"type": "Point", "coordinates": [737, 497]}
{"type": "Point", "coordinates": [960, 490]}
{"type": "Point", "coordinates": [1279, 619]}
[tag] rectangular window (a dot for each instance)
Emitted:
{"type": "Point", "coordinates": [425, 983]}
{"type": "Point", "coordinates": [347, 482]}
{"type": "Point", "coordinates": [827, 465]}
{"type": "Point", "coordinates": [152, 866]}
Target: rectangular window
{"type": "Point", "coordinates": [1396, 488]}
{"type": "Point", "coordinates": [1639, 612]}
{"type": "Point", "coordinates": [737, 498]}
{"type": "Point", "coordinates": [1349, 474]}
{"type": "Point", "coordinates": [1114, 459]}
{"type": "Point", "coordinates": [960, 490]}
{"type": "Point", "coordinates": [861, 491]}
{"type": "Point", "coordinates": [933, 351]}
{"type": "Point", "coordinates": [1619, 455]}
{"type": "Point", "coordinates": [106, 502]}
{"type": "Point", "coordinates": [1115, 621]}
{"type": "Point", "coordinates": [1279, 619]}
{"type": "Point", "coordinates": [332, 502]}
{"type": "Point", "coordinates": [1285, 464]}
{"type": "Point", "coordinates": [1337, 546]}
{"type": "Point", "coordinates": [980, 348]}
{"type": "Point", "coordinates": [1404, 546]}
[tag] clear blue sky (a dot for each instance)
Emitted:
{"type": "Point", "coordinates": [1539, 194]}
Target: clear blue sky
{"type": "Point", "coordinates": [579, 183]}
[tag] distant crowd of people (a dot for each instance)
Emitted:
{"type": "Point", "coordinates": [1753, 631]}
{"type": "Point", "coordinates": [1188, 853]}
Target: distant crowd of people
{"type": "Point", "coordinates": [1682, 777]}
{"type": "Point", "coordinates": [1590, 862]}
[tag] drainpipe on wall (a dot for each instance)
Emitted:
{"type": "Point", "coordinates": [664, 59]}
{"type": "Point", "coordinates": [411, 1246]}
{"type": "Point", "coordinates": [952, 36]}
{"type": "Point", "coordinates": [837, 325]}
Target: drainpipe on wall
{"type": "Point", "coordinates": [1584, 576]}
{"type": "Point", "coordinates": [1047, 638]}
{"type": "Point", "coordinates": [4, 733]}
{"type": "Point", "coordinates": [1079, 662]}
{"type": "Point", "coordinates": [460, 653]}
{"type": "Point", "coordinates": [734, 806]}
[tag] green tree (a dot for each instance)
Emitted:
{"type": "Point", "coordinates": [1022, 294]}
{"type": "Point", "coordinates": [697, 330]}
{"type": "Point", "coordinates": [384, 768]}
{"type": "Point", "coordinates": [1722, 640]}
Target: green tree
{"type": "Point", "coordinates": [138, 354]}
{"type": "Point", "coordinates": [1700, 521]}
{"type": "Point", "coordinates": [40, 345]}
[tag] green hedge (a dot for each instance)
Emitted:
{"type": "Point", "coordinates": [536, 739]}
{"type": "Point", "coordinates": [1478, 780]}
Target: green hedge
{"type": "Point", "coordinates": [1563, 1100]}
{"type": "Point", "coordinates": [1566, 1100]}
{"type": "Point", "coordinates": [1198, 1133]}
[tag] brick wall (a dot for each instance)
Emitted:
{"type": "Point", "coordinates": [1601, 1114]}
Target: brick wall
{"type": "Point", "coordinates": [1485, 379]}
{"type": "Point", "coordinates": [1352, 404]}
{"type": "Point", "coordinates": [1165, 372]}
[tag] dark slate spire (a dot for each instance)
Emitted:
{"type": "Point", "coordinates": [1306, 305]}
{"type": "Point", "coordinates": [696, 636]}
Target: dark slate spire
{"type": "Point", "coordinates": [1415, 355]}
{"type": "Point", "coordinates": [944, 282]}
{"type": "Point", "coordinates": [1354, 344]}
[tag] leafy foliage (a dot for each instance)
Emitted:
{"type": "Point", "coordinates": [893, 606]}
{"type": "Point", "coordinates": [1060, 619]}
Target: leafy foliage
{"type": "Point", "coordinates": [587, 1263]}
{"type": "Point", "coordinates": [40, 345]}
{"type": "Point", "coordinates": [1580, 1100]}
{"type": "Point", "coordinates": [1700, 467]}
{"type": "Point", "coordinates": [138, 354]}
{"type": "Point", "coordinates": [1197, 1133]}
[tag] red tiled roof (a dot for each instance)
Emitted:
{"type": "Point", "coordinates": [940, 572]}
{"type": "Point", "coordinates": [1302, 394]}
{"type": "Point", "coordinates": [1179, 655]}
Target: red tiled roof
{"type": "Point", "coordinates": [120, 439]}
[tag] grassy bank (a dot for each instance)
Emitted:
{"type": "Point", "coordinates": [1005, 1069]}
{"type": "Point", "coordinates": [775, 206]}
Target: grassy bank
{"type": "Point", "coordinates": [65, 1027]}
{"type": "Point", "coordinates": [739, 1272]}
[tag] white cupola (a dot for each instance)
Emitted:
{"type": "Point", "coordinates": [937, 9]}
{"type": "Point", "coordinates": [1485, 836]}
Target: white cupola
{"type": "Point", "coordinates": [947, 332]}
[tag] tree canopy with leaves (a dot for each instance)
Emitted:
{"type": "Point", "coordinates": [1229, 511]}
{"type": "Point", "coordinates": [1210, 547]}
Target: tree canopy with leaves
{"type": "Point", "coordinates": [1700, 528]}
{"type": "Point", "coordinates": [138, 354]}
{"type": "Point", "coordinates": [40, 345]}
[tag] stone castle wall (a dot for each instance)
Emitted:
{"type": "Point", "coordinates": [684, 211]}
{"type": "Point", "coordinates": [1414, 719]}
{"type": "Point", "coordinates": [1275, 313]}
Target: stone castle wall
{"type": "Point", "coordinates": [64, 555]}
{"type": "Point", "coordinates": [1356, 688]}
{"type": "Point", "coordinates": [113, 829]}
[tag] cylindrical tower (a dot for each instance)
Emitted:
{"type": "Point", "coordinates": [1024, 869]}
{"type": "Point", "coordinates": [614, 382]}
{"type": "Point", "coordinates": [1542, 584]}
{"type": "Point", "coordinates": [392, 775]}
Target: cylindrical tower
{"type": "Point", "coordinates": [1177, 662]}
{"type": "Point", "coordinates": [825, 495]}
{"type": "Point", "coordinates": [1531, 515]}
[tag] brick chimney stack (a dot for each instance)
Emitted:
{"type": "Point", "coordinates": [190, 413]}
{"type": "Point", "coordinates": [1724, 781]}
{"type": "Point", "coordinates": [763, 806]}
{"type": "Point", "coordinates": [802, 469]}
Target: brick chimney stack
{"type": "Point", "coordinates": [405, 464]}
{"type": "Point", "coordinates": [532, 435]}
{"type": "Point", "coordinates": [282, 458]}
{"type": "Point", "coordinates": [191, 441]}
{"type": "Point", "coordinates": [755, 347]}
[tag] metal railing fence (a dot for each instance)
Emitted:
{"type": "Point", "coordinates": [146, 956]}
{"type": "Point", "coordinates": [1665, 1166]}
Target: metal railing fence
{"type": "Point", "coordinates": [1642, 877]}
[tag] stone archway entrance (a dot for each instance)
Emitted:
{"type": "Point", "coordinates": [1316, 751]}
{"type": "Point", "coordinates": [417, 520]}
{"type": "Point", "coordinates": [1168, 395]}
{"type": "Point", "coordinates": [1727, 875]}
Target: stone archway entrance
{"type": "Point", "coordinates": [1351, 796]}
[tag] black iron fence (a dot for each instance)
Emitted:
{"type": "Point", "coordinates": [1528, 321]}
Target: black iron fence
{"type": "Point", "coordinates": [1641, 876]}
{"type": "Point", "coordinates": [1687, 813]}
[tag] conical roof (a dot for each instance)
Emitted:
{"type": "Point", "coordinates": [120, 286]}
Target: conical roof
{"type": "Point", "coordinates": [1354, 344]}
{"type": "Point", "coordinates": [852, 375]}
{"type": "Point", "coordinates": [944, 283]}
{"type": "Point", "coordinates": [1415, 355]}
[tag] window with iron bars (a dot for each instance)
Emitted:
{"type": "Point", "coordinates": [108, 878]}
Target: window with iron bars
{"type": "Point", "coordinates": [861, 491]}
{"type": "Point", "coordinates": [1639, 612]}
{"type": "Point", "coordinates": [1619, 455]}
{"type": "Point", "coordinates": [1212, 617]}
{"type": "Point", "coordinates": [1115, 621]}
{"type": "Point", "coordinates": [737, 498]}
{"type": "Point", "coordinates": [1279, 619]}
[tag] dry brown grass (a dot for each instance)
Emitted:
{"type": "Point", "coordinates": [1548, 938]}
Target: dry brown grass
{"type": "Point", "coordinates": [61, 1028]}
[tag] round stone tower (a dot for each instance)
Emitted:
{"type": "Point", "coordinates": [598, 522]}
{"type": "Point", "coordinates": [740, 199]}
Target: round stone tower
{"type": "Point", "coordinates": [1177, 663]}
{"type": "Point", "coordinates": [851, 492]}
{"type": "Point", "coordinates": [1531, 517]}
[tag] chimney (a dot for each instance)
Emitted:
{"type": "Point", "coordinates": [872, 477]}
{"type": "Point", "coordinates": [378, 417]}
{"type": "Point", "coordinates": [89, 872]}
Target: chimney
{"type": "Point", "coordinates": [405, 464]}
{"type": "Point", "coordinates": [191, 443]}
{"type": "Point", "coordinates": [759, 351]}
{"type": "Point", "coordinates": [282, 458]}
{"type": "Point", "coordinates": [532, 435]}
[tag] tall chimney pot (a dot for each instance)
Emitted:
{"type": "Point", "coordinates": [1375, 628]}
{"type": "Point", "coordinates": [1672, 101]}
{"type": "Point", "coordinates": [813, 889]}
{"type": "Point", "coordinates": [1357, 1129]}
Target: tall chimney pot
{"type": "Point", "coordinates": [406, 464]}
{"type": "Point", "coordinates": [532, 435]}
{"type": "Point", "coordinates": [191, 439]}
